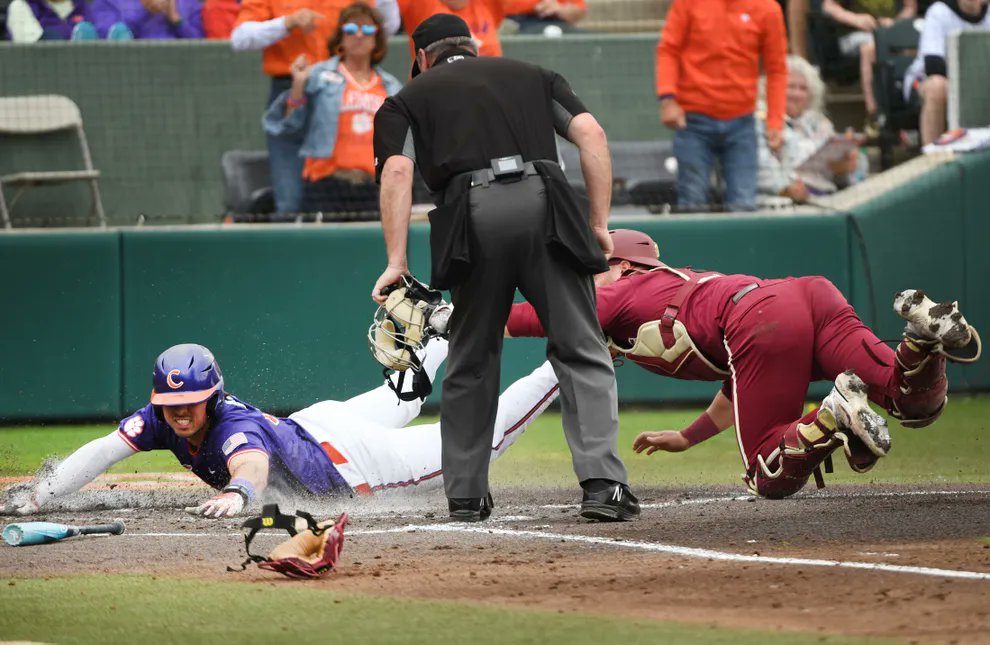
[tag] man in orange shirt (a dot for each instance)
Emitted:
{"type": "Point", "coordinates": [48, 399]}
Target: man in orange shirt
{"type": "Point", "coordinates": [482, 16]}
{"type": "Point", "coordinates": [287, 29]}
{"type": "Point", "coordinates": [708, 65]}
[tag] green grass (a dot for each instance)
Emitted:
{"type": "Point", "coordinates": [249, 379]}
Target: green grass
{"type": "Point", "coordinates": [956, 449]}
{"type": "Point", "coordinates": [145, 609]}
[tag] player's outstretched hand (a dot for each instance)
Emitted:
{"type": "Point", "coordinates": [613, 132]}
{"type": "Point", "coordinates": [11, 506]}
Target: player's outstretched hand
{"type": "Point", "coordinates": [666, 440]}
{"type": "Point", "coordinates": [222, 505]}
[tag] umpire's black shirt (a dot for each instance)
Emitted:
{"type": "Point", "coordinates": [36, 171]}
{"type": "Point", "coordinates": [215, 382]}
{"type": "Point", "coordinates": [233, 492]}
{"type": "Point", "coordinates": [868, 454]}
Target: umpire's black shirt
{"type": "Point", "coordinates": [465, 111]}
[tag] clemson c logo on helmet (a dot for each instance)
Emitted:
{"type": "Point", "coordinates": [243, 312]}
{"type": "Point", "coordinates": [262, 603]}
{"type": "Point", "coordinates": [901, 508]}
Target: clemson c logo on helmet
{"type": "Point", "coordinates": [172, 383]}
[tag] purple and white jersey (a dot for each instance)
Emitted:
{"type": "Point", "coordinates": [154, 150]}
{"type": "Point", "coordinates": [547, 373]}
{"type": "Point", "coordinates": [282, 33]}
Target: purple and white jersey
{"type": "Point", "coordinates": [296, 460]}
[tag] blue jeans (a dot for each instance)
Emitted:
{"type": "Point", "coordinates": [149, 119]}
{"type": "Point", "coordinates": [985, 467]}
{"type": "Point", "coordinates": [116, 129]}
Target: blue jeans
{"type": "Point", "coordinates": [697, 146]}
{"type": "Point", "coordinates": [284, 162]}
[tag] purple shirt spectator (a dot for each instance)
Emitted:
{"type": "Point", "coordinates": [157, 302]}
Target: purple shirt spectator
{"type": "Point", "coordinates": [149, 19]}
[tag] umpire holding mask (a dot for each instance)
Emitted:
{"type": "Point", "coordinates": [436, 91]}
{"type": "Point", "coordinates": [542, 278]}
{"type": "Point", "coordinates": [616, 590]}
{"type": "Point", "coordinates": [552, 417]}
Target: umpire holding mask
{"type": "Point", "coordinates": [481, 131]}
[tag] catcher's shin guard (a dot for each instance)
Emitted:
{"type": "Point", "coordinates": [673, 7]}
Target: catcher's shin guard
{"type": "Point", "coordinates": [935, 332]}
{"type": "Point", "coordinates": [844, 418]}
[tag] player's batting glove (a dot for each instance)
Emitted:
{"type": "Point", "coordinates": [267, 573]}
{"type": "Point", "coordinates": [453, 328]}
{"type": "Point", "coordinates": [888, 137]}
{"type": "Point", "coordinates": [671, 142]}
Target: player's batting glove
{"type": "Point", "coordinates": [222, 505]}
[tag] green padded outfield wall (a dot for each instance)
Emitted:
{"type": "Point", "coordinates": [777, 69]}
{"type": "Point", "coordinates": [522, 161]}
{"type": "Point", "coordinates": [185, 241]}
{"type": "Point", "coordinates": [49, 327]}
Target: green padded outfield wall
{"type": "Point", "coordinates": [60, 343]}
{"type": "Point", "coordinates": [930, 234]}
{"type": "Point", "coordinates": [286, 309]}
{"type": "Point", "coordinates": [159, 115]}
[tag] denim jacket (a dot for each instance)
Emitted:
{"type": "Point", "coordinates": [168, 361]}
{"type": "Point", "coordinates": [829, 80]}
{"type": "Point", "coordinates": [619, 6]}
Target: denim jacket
{"type": "Point", "coordinates": [316, 121]}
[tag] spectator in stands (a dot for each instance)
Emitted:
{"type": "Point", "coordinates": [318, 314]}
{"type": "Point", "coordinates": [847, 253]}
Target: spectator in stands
{"type": "Point", "coordinates": [482, 16]}
{"type": "Point", "coordinates": [29, 21]}
{"type": "Point", "coordinates": [858, 19]}
{"type": "Point", "coordinates": [534, 16]}
{"type": "Point", "coordinates": [286, 29]}
{"type": "Point", "coordinates": [708, 62]}
{"type": "Point", "coordinates": [928, 74]}
{"type": "Point", "coordinates": [332, 106]}
{"type": "Point", "coordinates": [149, 19]}
{"type": "Point", "coordinates": [219, 17]}
{"type": "Point", "coordinates": [806, 129]}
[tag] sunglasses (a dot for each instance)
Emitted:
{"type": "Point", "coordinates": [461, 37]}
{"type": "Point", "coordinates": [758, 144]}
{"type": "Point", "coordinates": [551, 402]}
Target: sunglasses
{"type": "Point", "coordinates": [353, 29]}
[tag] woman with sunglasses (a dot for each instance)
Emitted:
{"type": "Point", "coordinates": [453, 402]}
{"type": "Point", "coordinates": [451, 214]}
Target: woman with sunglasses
{"type": "Point", "coordinates": [331, 106]}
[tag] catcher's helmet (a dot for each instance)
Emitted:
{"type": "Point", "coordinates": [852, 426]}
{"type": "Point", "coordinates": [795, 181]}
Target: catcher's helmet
{"type": "Point", "coordinates": [635, 247]}
{"type": "Point", "coordinates": [185, 375]}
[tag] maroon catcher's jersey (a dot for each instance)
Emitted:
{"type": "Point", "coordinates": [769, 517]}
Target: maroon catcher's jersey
{"type": "Point", "coordinates": [630, 302]}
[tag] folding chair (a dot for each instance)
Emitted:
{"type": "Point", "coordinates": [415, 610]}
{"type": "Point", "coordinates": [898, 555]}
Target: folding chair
{"type": "Point", "coordinates": [31, 115]}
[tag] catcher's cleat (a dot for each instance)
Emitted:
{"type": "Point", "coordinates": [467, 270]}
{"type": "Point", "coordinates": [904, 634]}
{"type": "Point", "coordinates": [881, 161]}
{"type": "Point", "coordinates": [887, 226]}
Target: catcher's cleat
{"type": "Point", "coordinates": [939, 323]}
{"type": "Point", "coordinates": [847, 409]}
{"type": "Point", "coordinates": [608, 501]}
{"type": "Point", "coordinates": [470, 509]}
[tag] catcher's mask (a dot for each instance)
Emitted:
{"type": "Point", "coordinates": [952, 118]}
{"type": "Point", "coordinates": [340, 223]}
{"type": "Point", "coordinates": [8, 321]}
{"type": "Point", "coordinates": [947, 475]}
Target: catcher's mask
{"type": "Point", "coordinates": [400, 329]}
{"type": "Point", "coordinates": [309, 553]}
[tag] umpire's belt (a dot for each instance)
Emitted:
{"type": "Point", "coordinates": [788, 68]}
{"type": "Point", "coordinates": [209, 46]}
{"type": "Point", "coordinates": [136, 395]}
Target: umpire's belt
{"type": "Point", "coordinates": [487, 176]}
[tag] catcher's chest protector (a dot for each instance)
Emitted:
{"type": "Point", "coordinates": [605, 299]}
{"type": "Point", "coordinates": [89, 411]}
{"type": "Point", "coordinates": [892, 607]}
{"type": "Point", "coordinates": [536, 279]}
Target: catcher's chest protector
{"type": "Point", "coordinates": [665, 347]}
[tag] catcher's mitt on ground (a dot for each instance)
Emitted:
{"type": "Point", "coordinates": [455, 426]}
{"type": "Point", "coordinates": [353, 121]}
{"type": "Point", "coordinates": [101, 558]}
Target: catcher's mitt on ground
{"type": "Point", "coordinates": [310, 553]}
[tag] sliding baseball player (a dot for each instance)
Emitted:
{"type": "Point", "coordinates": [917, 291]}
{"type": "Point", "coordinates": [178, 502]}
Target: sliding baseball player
{"type": "Point", "coordinates": [331, 448]}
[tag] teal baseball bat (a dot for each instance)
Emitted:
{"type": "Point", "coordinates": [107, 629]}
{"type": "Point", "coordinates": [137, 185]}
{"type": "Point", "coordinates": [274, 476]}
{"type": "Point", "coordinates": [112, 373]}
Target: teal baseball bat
{"type": "Point", "coordinates": [28, 533]}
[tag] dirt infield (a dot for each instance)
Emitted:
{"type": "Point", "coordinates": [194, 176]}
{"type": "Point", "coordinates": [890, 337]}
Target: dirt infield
{"type": "Point", "coordinates": [896, 562]}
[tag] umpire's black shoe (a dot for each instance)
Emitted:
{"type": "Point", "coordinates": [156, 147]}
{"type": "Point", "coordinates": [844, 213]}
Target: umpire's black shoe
{"type": "Point", "coordinates": [608, 501]}
{"type": "Point", "coordinates": [470, 509]}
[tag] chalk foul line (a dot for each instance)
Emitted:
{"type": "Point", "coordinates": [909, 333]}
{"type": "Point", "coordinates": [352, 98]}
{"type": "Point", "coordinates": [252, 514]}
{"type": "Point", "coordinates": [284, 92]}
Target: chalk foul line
{"type": "Point", "coordinates": [690, 552]}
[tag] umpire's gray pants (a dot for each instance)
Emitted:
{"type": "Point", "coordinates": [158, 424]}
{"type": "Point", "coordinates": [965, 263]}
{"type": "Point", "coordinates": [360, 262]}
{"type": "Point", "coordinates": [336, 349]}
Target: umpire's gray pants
{"type": "Point", "coordinates": [509, 250]}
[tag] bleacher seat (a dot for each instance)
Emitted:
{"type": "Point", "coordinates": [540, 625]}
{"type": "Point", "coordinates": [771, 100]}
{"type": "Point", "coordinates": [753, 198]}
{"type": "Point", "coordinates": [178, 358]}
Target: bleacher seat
{"type": "Point", "coordinates": [247, 183]}
{"type": "Point", "coordinates": [644, 173]}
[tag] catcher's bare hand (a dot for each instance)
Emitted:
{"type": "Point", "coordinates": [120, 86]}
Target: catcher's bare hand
{"type": "Point", "coordinates": [222, 505]}
{"type": "Point", "coordinates": [666, 440]}
{"type": "Point", "coordinates": [388, 277]}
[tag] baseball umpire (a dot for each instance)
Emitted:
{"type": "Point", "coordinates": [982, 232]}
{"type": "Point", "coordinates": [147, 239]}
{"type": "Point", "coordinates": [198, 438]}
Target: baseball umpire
{"type": "Point", "coordinates": [481, 131]}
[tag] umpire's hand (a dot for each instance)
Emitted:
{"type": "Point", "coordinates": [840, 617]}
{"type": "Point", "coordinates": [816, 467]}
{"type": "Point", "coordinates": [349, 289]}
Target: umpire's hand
{"type": "Point", "coordinates": [390, 276]}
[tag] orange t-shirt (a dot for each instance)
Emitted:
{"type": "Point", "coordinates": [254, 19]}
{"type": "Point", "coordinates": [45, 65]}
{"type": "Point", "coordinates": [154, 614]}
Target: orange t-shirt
{"type": "Point", "coordinates": [354, 149]}
{"type": "Point", "coordinates": [219, 17]}
{"type": "Point", "coordinates": [482, 16]}
{"type": "Point", "coordinates": [277, 58]}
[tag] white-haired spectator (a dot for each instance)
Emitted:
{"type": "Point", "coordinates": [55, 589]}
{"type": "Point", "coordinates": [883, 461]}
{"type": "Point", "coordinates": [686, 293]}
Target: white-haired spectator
{"type": "Point", "coordinates": [806, 129]}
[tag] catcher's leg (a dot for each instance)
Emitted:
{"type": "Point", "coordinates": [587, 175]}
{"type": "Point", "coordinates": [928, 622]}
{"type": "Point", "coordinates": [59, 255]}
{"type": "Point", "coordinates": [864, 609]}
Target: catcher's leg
{"type": "Point", "coordinates": [934, 333]}
{"type": "Point", "coordinates": [843, 419]}
{"type": "Point", "coordinates": [520, 405]}
{"type": "Point", "coordinates": [383, 407]}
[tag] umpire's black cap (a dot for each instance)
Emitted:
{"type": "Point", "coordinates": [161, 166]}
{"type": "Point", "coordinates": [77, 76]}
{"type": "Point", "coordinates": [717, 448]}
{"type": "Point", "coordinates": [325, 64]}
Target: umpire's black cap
{"type": "Point", "coordinates": [436, 27]}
